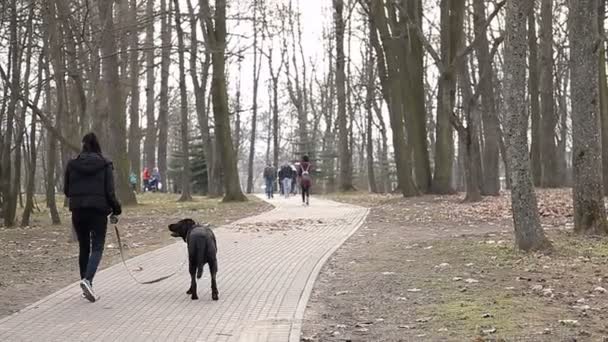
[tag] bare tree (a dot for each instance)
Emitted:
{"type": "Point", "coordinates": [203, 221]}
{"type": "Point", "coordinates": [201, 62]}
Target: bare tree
{"type": "Point", "coordinates": [533, 86]}
{"type": "Point", "coordinates": [491, 184]}
{"type": "Point", "coordinates": [134, 129]}
{"type": "Point", "coordinates": [184, 117]}
{"type": "Point", "coordinates": [150, 140]}
{"type": "Point", "coordinates": [529, 234]}
{"type": "Point", "coordinates": [117, 125]}
{"type": "Point", "coordinates": [550, 171]}
{"type": "Point", "coordinates": [215, 36]}
{"type": "Point", "coordinates": [603, 89]}
{"type": "Point", "coordinates": [163, 105]}
{"type": "Point", "coordinates": [344, 152]}
{"type": "Point", "coordinates": [257, 63]}
{"type": "Point", "coordinates": [200, 94]}
{"type": "Point", "coordinates": [589, 210]}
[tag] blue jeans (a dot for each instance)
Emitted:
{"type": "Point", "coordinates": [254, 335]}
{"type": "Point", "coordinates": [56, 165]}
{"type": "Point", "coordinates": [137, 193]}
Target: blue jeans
{"type": "Point", "coordinates": [91, 226]}
{"type": "Point", "coordinates": [269, 187]}
{"type": "Point", "coordinates": [287, 186]}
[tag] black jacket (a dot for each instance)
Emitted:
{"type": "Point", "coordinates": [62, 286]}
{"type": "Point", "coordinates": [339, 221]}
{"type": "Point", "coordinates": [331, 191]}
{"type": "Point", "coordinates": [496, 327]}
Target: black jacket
{"type": "Point", "coordinates": [285, 172]}
{"type": "Point", "coordinates": [89, 184]}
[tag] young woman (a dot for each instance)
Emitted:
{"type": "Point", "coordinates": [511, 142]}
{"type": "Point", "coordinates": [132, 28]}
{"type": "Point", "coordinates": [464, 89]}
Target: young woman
{"type": "Point", "coordinates": [304, 171]}
{"type": "Point", "coordinates": [89, 186]}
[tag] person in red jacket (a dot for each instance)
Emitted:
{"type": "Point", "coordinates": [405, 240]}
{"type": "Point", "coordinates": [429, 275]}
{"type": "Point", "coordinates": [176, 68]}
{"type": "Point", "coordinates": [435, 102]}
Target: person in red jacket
{"type": "Point", "coordinates": [146, 178]}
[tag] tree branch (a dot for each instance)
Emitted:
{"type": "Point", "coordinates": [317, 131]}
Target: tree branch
{"type": "Point", "coordinates": [48, 123]}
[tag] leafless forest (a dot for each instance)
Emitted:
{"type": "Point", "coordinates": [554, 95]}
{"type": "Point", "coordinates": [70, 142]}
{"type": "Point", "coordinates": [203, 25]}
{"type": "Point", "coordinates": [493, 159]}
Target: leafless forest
{"type": "Point", "coordinates": [409, 96]}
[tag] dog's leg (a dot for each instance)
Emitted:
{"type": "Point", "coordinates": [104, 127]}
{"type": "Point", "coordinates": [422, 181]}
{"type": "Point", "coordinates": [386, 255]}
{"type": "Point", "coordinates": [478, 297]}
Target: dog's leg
{"type": "Point", "coordinates": [192, 290]}
{"type": "Point", "coordinates": [213, 268]}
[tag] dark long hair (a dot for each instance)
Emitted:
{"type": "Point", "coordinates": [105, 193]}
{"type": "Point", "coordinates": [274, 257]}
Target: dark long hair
{"type": "Point", "coordinates": [90, 143]}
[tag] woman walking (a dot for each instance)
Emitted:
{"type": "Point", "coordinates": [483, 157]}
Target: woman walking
{"type": "Point", "coordinates": [305, 179]}
{"type": "Point", "coordinates": [89, 186]}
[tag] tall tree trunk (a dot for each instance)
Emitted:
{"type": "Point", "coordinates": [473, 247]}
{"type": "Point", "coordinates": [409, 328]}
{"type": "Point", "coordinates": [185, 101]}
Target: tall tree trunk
{"type": "Point", "coordinates": [216, 35]}
{"type": "Point", "coordinates": [31, 176]}
{"type": "Point", "coordinates": [529, 234]}
{"type": "Point", "coordinates": [452, 15]}
{"type": "Point", "coordinates": [369, 102]}
{"type": "Point", "coordinates": [7, 170]}
{"type": "Point", "coordinates": [150, 140]}
{"type": "Point", "coordinates": [391, 89]}
{"type": "Point", "coordinates": [256, 78]}
{"type": "Point", "coordinates": [55, 58]}
{"type": "Point", "coordinates": [589, 210]}
{"type": "Point", "coordinates": [533, 86]}
{"type": "Point", "coordinates": [200, 95]}
{"type": "Point", "coordinates": [186, 177]}
{"type": "Point", "coordinates": [414, 96]}
{"type": "Point", "coordinates": [32, 161]}
{"type": "Point", "coordinates": [469, 138]}
{"type": "Point", "coordinates": [134, 129]}
{"type": "Point", "coordinates": [550, 172]}
{"type": "Point", "coordinates": [163, 105]}
{"type": "Point", "coordinates": [384, 165]}
{"type": "Point", "coordinates": [118, 129]}
{"type": "Point", "coordinates": [603, 75]}
{"type": "Point", "coordinates": [491, 155]}
{"type": "Point", "coordinates": [344, 153]}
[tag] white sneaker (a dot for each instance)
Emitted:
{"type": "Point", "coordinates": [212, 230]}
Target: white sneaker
{"type": "Point", "coordinates": [87, 291]}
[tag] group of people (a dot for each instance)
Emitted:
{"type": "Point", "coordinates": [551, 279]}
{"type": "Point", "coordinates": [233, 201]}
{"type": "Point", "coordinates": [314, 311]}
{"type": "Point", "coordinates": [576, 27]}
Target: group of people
{"type": "Point", "coordinates": [151, 180]}
{"type": "Point", "coordinates": [290, 177]}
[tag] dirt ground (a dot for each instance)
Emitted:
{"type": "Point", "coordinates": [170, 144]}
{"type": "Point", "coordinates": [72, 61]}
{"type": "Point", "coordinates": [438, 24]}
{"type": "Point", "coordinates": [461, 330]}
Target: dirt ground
{"type": "Point", "coordinates": [435, 269]}
{"type": "Point", "coordinates": [42, 254]}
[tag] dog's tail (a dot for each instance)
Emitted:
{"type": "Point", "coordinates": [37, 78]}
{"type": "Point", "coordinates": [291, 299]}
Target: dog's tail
{"type": "Point", "coordinates": [199, 271]}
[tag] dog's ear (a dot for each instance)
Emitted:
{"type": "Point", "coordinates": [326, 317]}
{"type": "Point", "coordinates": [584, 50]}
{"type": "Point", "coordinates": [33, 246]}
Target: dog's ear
{"type": "Point", "coordinates": [188, 222]}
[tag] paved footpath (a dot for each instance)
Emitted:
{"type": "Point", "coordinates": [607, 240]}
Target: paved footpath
{"type": "Point", "coordinates": [267, 268]}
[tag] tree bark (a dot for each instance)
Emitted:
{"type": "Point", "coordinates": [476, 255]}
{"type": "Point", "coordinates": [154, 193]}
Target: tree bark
{"type": "Point", "coordinates": [186, 176]}
{"type": "Point", "coordinates": [391, 88]}
{"type": "Point", "coordinates": [603, 75]}
{"type": "Point", "coordinates": [344, 153]}
{"type": "Point", "coordinates": [200, 95]}
{"type": "Point", "coordinates": [8, 170]}
{"type": "Point", "coordinates": [256, 78]}
{"type": "Point", "coordinates": [452, 17]}
{"type": "Point", "coordinates": [529, 234]}
{"type": "Point", "coordinates": [589, 210]}
{"type": "Point", "coordinates": [491, 155]}
{"type": "Point", "coordinates": [216, 38]}
{"type": "Point", "coordinates": [550, 171]}
{"type": "Point", "coordinates": [413, 73]}
{"type": "Point", "coordinates": [369, 102]}
{"type": "Point", "coordinates": [163, 105]}
{"type": "Point", "coordinates": [134, 129]}
{"type": "Point", "coordinates": [150, 140]}
{"type": "Point", "coordinates": [118, 129]}
{"type": "Point", "coordinates": [533, 86]}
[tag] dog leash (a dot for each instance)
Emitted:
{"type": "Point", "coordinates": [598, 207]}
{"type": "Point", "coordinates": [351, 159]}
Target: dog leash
{"type": "Point", "coordinates": [122, 256]}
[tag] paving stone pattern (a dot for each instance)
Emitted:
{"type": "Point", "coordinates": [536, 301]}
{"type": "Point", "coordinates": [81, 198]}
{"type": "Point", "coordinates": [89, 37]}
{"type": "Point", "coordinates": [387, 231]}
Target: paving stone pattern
{"type": "Point", "coordinates": [267, 268]}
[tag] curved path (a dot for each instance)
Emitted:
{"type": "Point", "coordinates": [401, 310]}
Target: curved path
{"type": "Point", "coordinates": [267, 267]}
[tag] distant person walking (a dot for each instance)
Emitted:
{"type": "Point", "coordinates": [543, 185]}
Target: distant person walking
{"type": "Point", "coordinates": [294, 180]}
{"type": "Point", "coordinates": [305, 179]}
{"type": "Point", "coordinates": [133, 181]}
{"type": "Point", "coordinates": [154, 183]}
{"type": "Point", "coordinates": [89, 186]}
{"type": "Point", "coordinates": [146, 179]}
{"type": "Point", "coordinates": [285, 180]}
{"type": "Point", "coordinates": [270, 175]}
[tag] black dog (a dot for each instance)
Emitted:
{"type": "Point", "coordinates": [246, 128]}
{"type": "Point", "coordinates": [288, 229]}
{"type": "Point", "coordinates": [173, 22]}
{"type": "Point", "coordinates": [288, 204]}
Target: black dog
{"type": "Point", "coordinates": [202, 249]}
